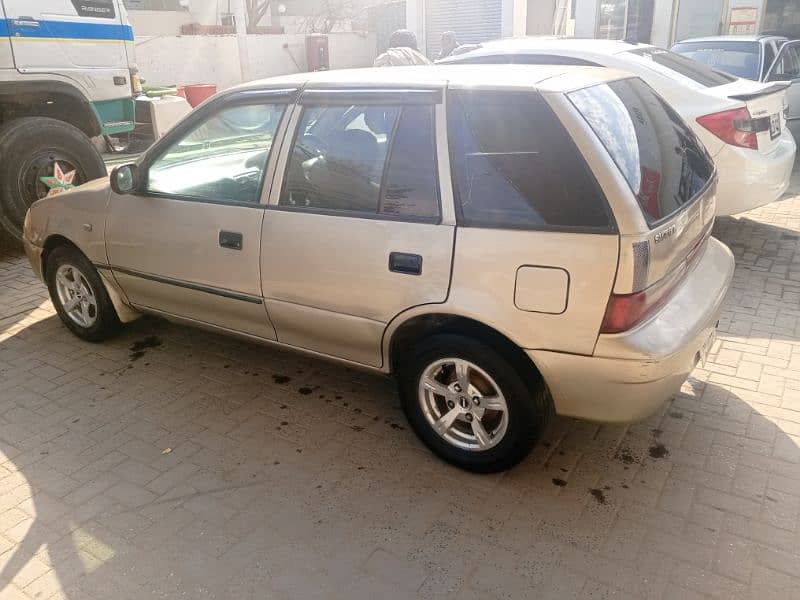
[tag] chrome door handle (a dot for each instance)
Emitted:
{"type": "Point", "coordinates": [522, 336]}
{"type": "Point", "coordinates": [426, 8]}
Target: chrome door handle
{"type": "Point", "coordinates": [26, 22]}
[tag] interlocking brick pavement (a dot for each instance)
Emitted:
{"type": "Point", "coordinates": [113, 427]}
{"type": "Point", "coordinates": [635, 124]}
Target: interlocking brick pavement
{"type": "Point", "coordinates": [213, 468]}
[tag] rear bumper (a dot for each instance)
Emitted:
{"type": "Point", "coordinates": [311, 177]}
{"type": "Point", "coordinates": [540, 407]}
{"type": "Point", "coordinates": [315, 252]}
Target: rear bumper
{"type": "Point", "coordinates": [748, 179]}
{"type": "Point", "coordinates": [633, 373]}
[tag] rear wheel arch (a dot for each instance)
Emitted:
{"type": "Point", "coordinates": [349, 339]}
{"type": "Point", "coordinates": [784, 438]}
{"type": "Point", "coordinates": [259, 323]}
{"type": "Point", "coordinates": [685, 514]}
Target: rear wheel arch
{"type": "Point", "coordinates": [417, 328]}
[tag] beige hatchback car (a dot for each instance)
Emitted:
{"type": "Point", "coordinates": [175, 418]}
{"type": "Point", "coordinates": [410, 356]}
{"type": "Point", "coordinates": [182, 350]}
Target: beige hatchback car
{"type": "Point", "coordinates": [509, 242]}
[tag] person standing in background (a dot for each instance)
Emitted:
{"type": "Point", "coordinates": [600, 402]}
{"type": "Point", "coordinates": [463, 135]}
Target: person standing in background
{"type": "Point", "coordinates": [449, 43]}
{"type": "Point", "coordinates": [402, 51]}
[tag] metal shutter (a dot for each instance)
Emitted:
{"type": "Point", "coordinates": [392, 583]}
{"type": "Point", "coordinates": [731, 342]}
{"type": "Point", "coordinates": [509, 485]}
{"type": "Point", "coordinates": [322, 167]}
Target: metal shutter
{"type": "Point", "coordinates": [473, 21]}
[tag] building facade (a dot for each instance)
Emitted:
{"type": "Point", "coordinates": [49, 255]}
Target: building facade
{"type": "Point", "coordinates": [664, 22]}
{"type": "Point", "coordinates": [474, 21]}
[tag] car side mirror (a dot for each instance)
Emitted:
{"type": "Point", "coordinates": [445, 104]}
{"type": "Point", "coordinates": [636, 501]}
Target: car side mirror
{"type": "Point", "coordinates": [125, 179]}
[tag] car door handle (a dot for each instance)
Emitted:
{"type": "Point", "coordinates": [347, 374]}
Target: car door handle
{"type": "Point", "coordinates": [230, 239]}
{"type": "Point", "coordinates": [403, 262]}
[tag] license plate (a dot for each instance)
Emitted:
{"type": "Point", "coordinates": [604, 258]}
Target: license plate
{"type": "Point", "coordinates": [707, 347]}
{"type": "Point", "coordinates": [774, 126]}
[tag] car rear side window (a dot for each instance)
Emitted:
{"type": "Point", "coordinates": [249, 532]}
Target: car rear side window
{"type": "Point", "coordinates": [515, 166]}
{"type": "Point", "coordinates": [665, 61]}
{"type": "Point", "coordinates": [660, 157]}
{"type": "Point", "coordinates": [737, 58]}
{"type": "Point", "coordinates": [365, 159]}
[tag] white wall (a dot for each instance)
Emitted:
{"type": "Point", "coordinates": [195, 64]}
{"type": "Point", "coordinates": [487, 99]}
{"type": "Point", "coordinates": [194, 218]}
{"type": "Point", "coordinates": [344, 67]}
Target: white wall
{"type": "Point", "coordinates": [540, 17]}
{"type": "Point", "coordinates": [215, 59]}
{"type": "Point", "coordinates": [158, 22]}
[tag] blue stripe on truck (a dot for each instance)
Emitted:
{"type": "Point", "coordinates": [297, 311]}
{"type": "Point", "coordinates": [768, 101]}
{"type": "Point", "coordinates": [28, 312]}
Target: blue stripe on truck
{"type": "Point", "coordinates": [68, 30]}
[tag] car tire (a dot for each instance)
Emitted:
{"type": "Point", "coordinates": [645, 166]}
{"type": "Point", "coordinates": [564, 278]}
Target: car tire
{"type": "Point", "coordinates": [79, 296]}
{"type": "Point", "coordinates": [508, 413]}
{"type": "Point", "coordinates": [30, 148]}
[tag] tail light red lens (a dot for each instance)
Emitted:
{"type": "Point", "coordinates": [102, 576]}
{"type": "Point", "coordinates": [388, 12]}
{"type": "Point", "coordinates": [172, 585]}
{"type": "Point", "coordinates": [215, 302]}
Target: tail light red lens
{"type": "Point", "coordinates": [625, 311]}
{"type": "Point", "coordinates": [734, 127]}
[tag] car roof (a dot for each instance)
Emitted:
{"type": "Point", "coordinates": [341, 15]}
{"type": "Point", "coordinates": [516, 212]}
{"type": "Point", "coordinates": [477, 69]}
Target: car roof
{"type": "Point", "coordinates": [542, 77]}
{"type": "Point", "coordinates": [549, 42]}
{"type": "Point", "coordinates": [733, 38]}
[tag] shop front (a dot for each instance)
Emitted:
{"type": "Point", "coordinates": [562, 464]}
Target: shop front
{"type": "Point", "coordinates": [664, 22]}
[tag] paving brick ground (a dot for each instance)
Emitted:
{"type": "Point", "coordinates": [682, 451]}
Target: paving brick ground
{"type": "Point", "coordinates": [211, 468]}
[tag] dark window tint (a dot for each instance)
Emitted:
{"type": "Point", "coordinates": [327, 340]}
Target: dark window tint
{"type": "Point", "coordinates": [660, 157]}
{"type": "Point", "coordinates": [769, 56]}
{"type": "Point", "coordinates": [103, 9]}
{"type": "Point", "coordinates": [551, 59]}
{"type": "Point", "coordinates": [742, 59]}
{"type": "Point", "coordinates": [523, 58]}
{"type": "Point", "coordinates": [411, 187]}
{"type": "Point", "coordinates": [515, 165]}
{"type": "Point", "coordinates": [669, 62]}
{"type": "Point", "coordinates": [339, 161]}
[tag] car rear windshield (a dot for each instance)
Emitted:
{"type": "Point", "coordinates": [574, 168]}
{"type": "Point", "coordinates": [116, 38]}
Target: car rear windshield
{"type": "Point", "coordinates": [666, 61]}
{"type": "Point", "coordinates": [737, 58]}
{"type": "Point", "coordinates": [662, 160]}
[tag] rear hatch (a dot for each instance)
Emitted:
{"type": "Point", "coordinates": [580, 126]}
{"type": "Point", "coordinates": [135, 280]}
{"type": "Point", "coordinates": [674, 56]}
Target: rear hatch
{"type": "Point", "coordinates": [673, 181]}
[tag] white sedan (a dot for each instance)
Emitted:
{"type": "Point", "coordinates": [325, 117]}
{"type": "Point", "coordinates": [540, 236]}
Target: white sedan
{"type": "Point", "coordinates": [742, 123]}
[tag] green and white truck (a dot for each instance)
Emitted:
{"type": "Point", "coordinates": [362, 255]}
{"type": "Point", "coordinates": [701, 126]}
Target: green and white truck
{"type": "Point", "coordinates": [67, 75]}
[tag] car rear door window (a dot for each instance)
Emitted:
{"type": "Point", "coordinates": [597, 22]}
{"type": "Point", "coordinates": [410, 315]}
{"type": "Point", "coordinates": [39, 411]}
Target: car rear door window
{"type": "Point", "coordinates": [365, 159]}
{"type": "Point", "coordinates": [660, 157]}
{"type": "Point", "coordinates": [515, 166]}
{"type": "Point", "coordinates": [411, 186]}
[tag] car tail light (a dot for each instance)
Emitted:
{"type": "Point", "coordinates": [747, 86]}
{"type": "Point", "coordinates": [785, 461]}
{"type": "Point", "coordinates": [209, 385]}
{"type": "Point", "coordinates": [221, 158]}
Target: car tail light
{"type": "Point", "coordinates": [734, 127]}
{"type": "Point", "coordinates": [624, 311]}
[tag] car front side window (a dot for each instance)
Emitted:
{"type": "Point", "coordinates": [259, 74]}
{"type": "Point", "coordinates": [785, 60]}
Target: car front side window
{"type": "Point", "coordinates": [220, 160]}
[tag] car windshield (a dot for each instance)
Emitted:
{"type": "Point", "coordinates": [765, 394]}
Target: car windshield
{"type": "Point", "coordinates": [737, 58]}
{"type": "Point", "coordinates": [670, 63]}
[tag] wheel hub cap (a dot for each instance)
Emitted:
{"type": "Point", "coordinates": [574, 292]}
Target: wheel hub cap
{"type": "Point", "coordinates": [463, 404]}
{"type": "Point", "coordinates": [76, 296]}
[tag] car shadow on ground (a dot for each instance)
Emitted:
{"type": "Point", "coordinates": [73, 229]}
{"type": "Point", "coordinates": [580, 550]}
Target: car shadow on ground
{"type": "Point", "coordinates": [173, 461]}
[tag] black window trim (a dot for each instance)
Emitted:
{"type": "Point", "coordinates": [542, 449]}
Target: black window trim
{"type": "Point", "coordinates": [286, 96]}
{"type": "Point", "coordinates": [369, 96]}
{"type": "Point", "coordinates": [462, 221]}
{"type": "Point", "coordinates": [518, 57]}
{"type": "Point", "coordinates": [354, 99]}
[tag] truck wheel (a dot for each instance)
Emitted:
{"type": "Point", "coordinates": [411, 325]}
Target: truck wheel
{"type": "Point", "coordinates": [40, 156]}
